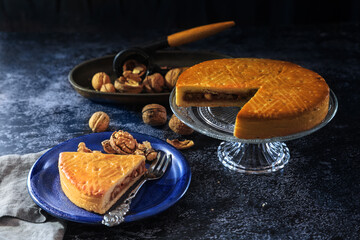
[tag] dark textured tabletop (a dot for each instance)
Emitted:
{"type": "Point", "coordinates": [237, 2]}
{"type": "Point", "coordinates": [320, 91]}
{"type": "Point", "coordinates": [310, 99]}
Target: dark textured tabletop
{"type": "Point", "coordinates": [315, 196]}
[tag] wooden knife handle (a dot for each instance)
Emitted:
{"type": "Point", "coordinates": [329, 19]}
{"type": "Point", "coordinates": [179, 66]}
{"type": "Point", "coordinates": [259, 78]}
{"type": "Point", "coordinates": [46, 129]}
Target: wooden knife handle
{"type": "Point", "coordinates": [197, 33]}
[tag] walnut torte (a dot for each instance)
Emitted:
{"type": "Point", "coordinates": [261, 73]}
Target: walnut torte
{"type": "Point", "coordinates": [278, 98]}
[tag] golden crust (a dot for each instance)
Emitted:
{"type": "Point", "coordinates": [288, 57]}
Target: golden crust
{"type": "Point", "coordinates": [288, 96]}
{"type": "Point", "coordinates": [88, 179]}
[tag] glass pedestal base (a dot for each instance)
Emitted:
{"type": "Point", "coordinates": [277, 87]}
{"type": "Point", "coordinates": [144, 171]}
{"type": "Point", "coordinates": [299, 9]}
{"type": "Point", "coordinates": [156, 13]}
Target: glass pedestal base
{"type": "Point", "coordinates": [253, 158]}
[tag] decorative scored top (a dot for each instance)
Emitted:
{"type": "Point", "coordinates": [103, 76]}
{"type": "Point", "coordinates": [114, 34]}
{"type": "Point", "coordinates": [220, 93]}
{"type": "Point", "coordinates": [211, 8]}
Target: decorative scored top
{"type": "Point", "coordinates": [284, 88]}
{"type": "Point", "coordinates": [94, 173]}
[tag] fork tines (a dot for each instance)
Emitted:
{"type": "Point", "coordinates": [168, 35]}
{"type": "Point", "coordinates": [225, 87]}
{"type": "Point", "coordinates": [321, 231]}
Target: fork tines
{"type": "Point", "coordinates": [162, 162]}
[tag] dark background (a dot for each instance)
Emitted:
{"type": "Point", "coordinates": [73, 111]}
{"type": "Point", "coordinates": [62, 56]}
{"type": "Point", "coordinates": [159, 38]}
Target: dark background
{"type": "Point", "coordinates": [131, 16]}
{"type": "Point", "coordinates": [317, 194]}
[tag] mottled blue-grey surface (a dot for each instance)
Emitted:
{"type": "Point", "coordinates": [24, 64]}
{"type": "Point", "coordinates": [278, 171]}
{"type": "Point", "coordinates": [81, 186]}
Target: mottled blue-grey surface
{"type": "Point", "coordinates": [316, 196]}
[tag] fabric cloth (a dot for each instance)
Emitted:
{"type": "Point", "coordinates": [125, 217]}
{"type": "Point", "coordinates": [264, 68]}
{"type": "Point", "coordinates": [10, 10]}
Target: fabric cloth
{"type": "Point", "coordinates": [20, 217]}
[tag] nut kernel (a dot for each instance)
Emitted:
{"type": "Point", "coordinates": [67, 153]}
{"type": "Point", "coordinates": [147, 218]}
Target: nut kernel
{"type": "Point", "coordinates": [132, 64]}
{"type": "Point", "coordinates": [83, 148]}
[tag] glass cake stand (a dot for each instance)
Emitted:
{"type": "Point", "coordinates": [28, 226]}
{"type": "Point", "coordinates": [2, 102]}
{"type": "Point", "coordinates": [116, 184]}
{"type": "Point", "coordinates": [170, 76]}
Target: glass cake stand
{"type": "Point", "coordinates": [253, 156]}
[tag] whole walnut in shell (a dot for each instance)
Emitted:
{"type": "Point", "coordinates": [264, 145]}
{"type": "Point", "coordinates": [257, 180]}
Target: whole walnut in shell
{"type": "Point", "coordinates": [107, 87]}
{"type": "Point", "coordinates": [172, 76]}
{"type": "Point", "coordinates": [154, 114]}
{"type": "Point", "coordinates": [179, 127]}
{"type": "Point", "coordinates": [99, 122]}
{"type": "Point", "coordinates": [100, 79]}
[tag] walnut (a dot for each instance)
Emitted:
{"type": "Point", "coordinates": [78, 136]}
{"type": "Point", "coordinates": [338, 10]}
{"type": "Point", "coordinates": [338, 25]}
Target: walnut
{"type": "Point", "coordinates": [154, 114]}
{"type": "Point", "coordinates": [107, 87]}
{"type": "Point", "coordinates": [107, 147]}
{"type": "Point", "coordinates": [172, 76]}
{"type": "Point", "coordinates": [124, 85]}
{"type": "Point", "coordinates": [180, 144]}
{"type": "Point", "coordinates": [82, 148]}
{"type": "Point", "coordinates": [179, 127]}
{"type": "Point", "coordinates": [99, 79]}
{"type": "Point", "coordinates": [99, 122]}
{"type": "Point", "coordinates": [154, 83]}
{"type": "Point", "coordinates": [134, 77]}
{"type": "Point", "coordinates": [122, 142]}
{"type": "Point", "coordinates": [134, 67]}
{"type": "Point", "coordinates": [148, 151]}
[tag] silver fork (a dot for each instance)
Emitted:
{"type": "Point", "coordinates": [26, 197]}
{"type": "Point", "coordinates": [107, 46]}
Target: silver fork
{"type": "Point", "coordinates": [155, 171]}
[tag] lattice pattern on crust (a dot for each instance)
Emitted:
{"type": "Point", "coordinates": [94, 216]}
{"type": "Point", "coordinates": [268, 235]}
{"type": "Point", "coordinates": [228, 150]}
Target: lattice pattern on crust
{"type": "Point", "coordinates": [95, 173]}
{"type": "Point", "coordinates": [284, 89]}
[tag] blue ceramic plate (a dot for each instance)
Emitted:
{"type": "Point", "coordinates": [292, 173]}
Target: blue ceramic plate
{"type": "Point", "coordinates": [154, 197]}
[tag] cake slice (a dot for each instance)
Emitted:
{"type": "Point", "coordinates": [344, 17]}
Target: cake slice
{"type": "Point", "coordinates": [278, 98]}
{"type": "Point", "coordinates": [95, 181]}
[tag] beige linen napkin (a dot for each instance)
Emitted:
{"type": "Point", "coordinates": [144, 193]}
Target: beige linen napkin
{"type": "Point", "coordinates": [20, 217]}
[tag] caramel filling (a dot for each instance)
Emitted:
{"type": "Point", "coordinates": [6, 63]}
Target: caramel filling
{"type": "Point", "coordinates": [125, 183]}
{"type": "Point", "coordinates": [217, 96]}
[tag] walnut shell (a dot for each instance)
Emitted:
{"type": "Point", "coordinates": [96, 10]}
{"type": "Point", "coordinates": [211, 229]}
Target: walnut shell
{"type": "Point", "coordinates": [107, 147]}
{"type": "Point", "coordinates": [107, 87]}
{"type": "Point", "coordinates": [172, 76]}
{"type": "Point", "coordinates": [99, 122]}
{"type": "Point", "coordinates": [134, 67]}
{"type": "Point", "coordinates": [184, 144]}
{"type": "Point", "coordinates": [99, 79]}
{"type": "Point", "coordinates": [154, 114]}
{"type": "Point", "coordinates": [129, 75]}
{"type": "Point", "coordinates": [127, 85]}
{"type": "Point", "coordinates": [179, 127]}
{"type": "Point", "coordinates": [154, 83]}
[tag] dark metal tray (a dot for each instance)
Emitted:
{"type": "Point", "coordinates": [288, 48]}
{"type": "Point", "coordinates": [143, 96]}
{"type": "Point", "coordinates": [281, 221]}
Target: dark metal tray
{"type": "Point", "coordinates": [80, 76]}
